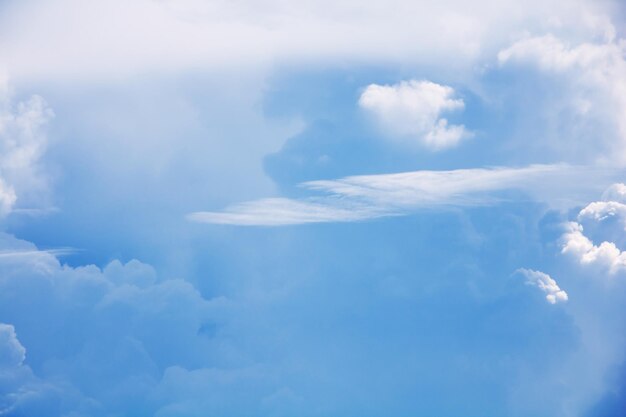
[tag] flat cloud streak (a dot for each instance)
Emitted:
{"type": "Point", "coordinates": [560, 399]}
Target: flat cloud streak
{"type": "Point", "coordinates": [366, 197]}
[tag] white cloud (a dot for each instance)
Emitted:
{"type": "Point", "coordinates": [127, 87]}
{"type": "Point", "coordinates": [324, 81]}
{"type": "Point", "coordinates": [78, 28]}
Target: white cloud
{"type": "Point", "coordinates": [12, 353]}
{"type": "Point", "coordinates": [7, 198]}
{"type": "Point", "coordinates": [543, 281]}
{"type": "Point", "coordinates": [602, 210]}
{"type": "Point", "coordinates": [120, 37]}
{"type": "Point", "coordinates": [22, 144]}
{"type": "Point", "coordinates": [371, 196]}
{"type": "Point", "coordinates": [606, 255]}
{"type": "Point", "coordinates": [284, 211]}
{"type": "Point", "coordinates": [119, 328]}
{"type": "Point", "coordinates": [411, 111]}
{"type": "Point", "coordinates": [594, 74]}
{"type": "Point", "coordinates": [616, 192]}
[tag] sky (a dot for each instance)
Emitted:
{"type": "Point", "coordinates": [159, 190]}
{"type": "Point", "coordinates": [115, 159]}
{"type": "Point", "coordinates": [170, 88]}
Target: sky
{"type": "Point", "coordinates": [312, 208]}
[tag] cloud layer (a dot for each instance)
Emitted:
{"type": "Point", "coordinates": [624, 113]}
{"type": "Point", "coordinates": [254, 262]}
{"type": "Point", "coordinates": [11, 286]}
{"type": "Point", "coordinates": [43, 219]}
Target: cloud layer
{"type": "Point", "coordinates": [372, 196]}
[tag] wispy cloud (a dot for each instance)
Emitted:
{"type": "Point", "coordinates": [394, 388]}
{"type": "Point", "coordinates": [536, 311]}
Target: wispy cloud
{"type": "Point", "coordinates": [16, 254]}
{"type": "Point", "coordinates": [365, 197]}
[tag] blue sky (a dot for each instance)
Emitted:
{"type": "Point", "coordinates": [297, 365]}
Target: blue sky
{"type": "Point", "coordinates": [312, 208]}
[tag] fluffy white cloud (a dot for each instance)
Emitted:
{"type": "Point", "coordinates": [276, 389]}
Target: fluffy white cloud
{"type": "Point", "coordinates": [616, 192]}
{"type": "Point", "coordinates": [102, 336]}
{"type": "Point", "coordinates": [12, 353]}
{"type": "Point", "coordinates": [22, 144]}
{"type": "Point", "coordinates": [602, 210]}
{"type": "Point", "coordinates": [594, 75]}
{"type": "Point", "coordinates": [543, 281]}
{"type": "Point", "coordinates": [372, 196]}
{"type": "Point", "coordinates": [412, 111]}
{"type": "Point", "coordinates": [605, 255]}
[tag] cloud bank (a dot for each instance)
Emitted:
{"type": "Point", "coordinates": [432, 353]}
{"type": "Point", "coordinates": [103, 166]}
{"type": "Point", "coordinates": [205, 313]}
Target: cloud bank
{"type": "Point", "coordinates": [121, 38]}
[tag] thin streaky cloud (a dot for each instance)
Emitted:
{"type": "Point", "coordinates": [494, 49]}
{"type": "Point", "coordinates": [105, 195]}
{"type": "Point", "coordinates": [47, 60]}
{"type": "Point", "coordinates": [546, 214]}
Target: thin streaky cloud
{"type": "Point", "coordinates": [57, 252]}
{"type": "Point", "coordinates": [365, 197]}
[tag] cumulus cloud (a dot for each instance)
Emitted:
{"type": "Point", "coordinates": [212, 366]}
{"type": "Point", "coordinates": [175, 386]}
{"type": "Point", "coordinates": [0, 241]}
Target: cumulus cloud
{"type": "Point", "coordinates": [543, 281]}
{"type": "Point", "coordinates": [602, 210]}
{"type": "Point", "coordinates": [412, 110]}
{"type": "Point", "coordinates": [595, 77]}
{"type": "Point", "coordinates": [102, 335]}
{"type": "Point", "coordinates": [371, 196]}
{"type": "Point", "coordinates": [607, 255]}
{"type": "Point", "coordinates": [616, 192]}
{"type": "Point", "coordinates": [22, 145]}
{"type": "Point", "coordinates": [12, 353]}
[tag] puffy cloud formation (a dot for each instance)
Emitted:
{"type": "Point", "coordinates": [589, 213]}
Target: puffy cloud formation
{"type": "Point", "coordinates": [96, 338]}
{"type": "Point", "coordinates": [606, 255]}
{"type": "Point", "coordinates": [593, 78]}
{"type": "Point", "coordinates": [616, 193]}
{"type": "Point", "coordinates": [121, 340]}
{"type": "Point", "coordinates": [12, 353]}
{"type": "Point", "coordinates": [372, 196]}
{"type": "Point", "coordinates": [22, 144]}
{"type": "Point", "coordinates": [543, 281]}
{"type": "Point", "coordinates": [411, 110]}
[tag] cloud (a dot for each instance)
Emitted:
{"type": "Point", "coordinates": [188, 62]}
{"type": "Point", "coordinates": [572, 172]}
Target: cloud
{"type": "Point", "coordinates": [95, 337]}
{"type": "Point", "coordinates": [602, 210]}
{"type": "Point", "coordinates": [616, 192]}
{"type": "Point", "coordinates": [543, 281]}
{"type": "Point", "coordinates": [121, 38]}
{"type": "Point", "coordinates": [121, 340]}
{"type": "Point", "coordinates": [371, 196]}
{"type": "Point", "coordinates": [22, 145]}
{"type": "Point", "coordinates": [12, 353]}
{"type": "Point", "coordinates": [606, 255]}
{"type": "Point", "coordinates": [590, 78]}
{"type": "Point", "coordinates": [284, 211]}
{"type": "Point", "coordinates": [411, 110]}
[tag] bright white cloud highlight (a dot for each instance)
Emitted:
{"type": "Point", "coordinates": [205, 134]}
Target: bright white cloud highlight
{"type": "Point", "coordinates": [606, 255]}
{"type": "Point", "coordinates": [412, 111]}
{"type": "Point", "coordinates": [371, 196]}
{"type": "Point", "coordinates": [543, 281]}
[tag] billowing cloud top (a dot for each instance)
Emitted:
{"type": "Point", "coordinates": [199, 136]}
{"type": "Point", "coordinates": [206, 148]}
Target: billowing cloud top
{"type": "Point", "coordinates": [412, 110]}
